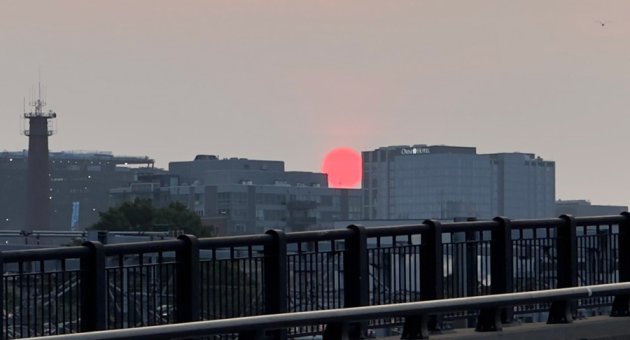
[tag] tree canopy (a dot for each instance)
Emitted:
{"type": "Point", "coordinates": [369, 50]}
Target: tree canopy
{"type": "Point", "coordinates": [141, 215]}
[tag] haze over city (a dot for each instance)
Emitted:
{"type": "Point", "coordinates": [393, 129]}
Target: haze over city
{"type": "Point", "coordinates": [290, 80]}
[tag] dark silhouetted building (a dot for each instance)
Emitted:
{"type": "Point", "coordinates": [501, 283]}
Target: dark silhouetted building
{"type": "Point", "coordinates": [77, 179]}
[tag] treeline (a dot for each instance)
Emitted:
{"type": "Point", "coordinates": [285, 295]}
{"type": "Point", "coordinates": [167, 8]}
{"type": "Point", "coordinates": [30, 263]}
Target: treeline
{"type": "Point", "coordinates": [141, 215]}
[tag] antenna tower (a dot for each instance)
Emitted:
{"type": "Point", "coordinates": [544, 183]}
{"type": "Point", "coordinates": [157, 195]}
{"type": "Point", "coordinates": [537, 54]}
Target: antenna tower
{"type": "Point", "coordinates": [39, 194]}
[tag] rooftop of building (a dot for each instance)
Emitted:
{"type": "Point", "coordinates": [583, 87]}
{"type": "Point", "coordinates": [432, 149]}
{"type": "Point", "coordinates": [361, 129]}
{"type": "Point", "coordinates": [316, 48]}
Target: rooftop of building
{"type": "Point", "coordinates": [583, 202]}
{"type": "Point", "coordinates": [84, 155]}
{"type": "Point", "coordinates": [425, 149]}
{"type": "Point", "coordinates": [214, 162]}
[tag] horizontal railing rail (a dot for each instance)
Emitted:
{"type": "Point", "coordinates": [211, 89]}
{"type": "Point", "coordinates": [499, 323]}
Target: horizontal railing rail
{"type": "Point", "coordinates": [339, 321]}
{"type": "Point", "coordinates": [44, 254]}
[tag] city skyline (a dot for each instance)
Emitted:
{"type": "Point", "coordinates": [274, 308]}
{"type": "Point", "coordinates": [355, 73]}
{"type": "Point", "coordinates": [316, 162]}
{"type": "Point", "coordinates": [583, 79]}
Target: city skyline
{"type": "Point", "coordinates": [291, 81]}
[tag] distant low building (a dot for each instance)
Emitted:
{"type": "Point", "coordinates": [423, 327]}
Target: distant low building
{"type": "Point", "coordinates": [585, 208]}
{"type": "Point", "coordinates": [79, 186]}
{"type": "Point", "coordinates": [243, 196]}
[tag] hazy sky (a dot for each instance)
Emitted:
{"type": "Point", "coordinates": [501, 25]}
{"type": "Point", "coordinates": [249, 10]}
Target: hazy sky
{"type": "Point", "coordinates": [290, 80]}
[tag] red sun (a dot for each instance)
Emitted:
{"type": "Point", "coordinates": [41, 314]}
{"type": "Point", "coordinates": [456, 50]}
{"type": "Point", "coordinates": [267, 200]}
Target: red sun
{"type": "Point", "coordinates": [343, 167]}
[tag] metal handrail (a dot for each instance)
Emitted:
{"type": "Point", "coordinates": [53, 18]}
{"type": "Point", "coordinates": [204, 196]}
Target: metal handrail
{"type": "Point", "coordinates": [345, 315]}
{"type": "Point", "coordinates": [321, 235]}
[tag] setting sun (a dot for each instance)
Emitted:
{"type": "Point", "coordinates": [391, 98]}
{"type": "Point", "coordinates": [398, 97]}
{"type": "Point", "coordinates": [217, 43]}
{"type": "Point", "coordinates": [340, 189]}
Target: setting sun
{"type": "Point", "coordinates": [343, 167]}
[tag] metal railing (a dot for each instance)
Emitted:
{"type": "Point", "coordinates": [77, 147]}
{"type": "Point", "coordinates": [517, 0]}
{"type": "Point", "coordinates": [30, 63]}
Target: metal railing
{"type": "Point", "coordinates": [344, 323]}
{"type": "Point", "coordinates": [98, 287]}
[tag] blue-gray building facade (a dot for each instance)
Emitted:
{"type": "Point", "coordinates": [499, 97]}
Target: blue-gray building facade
{"type": "Point", "coordinates": [244, 196]}
{"type": "Point", "coordinates": [448, 182]}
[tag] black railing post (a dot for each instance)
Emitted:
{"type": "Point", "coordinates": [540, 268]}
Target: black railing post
{"type": "Point", "coordinates": [188, 280]}
{"type": "Point", "coordinates": [431, 258]}
{"type": "Point", "coordinates": [355, 269]}
{"type": "Point", "coordinates": [501, 274]}
{"type": "Point", "coordinates": [355, 278]}
{"type": "Point", "coordinates": [93, 288]}
{"type": "Point", "coordinates": [431, 271]}
{"type": "Point", "coordinates": [501, 258]}
{"type": "Point", "coordinates": [621, 303]}
{"type": "Point", "coordinates": [276, 278]}
{"type": "Point", "coordinates": [566, 266]}
{"type": "Point", "coordinates": [276, 288]}
{"type": "Point", "coordinates": [473, 239]}
{"type": "Point", "coordinates": [472, 286]}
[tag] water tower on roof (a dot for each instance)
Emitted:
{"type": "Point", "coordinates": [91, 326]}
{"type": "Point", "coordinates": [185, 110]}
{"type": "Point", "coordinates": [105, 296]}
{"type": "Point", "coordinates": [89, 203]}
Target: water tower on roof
{"type": "Point", "coordinates": [39, 194]}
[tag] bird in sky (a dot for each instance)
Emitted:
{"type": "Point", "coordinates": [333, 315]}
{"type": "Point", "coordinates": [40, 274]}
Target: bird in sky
{"type": "Point", "coordinates": [603, 23]}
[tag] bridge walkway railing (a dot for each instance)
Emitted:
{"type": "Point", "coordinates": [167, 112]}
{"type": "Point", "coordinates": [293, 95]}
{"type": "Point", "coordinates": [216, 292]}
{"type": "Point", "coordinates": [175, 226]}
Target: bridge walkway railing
{"type": "Point", "coordinates": [98, 287]}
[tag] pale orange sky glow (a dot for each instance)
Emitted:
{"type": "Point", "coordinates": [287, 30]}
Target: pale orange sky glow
{"type": "Point", "coordinates": [291, 80]}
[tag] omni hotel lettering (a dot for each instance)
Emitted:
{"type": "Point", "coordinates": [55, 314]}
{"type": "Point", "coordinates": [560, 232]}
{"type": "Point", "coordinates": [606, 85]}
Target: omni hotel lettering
{"type": "Point", "coordinates": [414, 151]}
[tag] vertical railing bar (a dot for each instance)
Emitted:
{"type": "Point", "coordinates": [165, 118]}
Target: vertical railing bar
{"type": "Point", "coordinates": [56, 285]}
{"type": "Point", "coordinates": [378, 285]}
{"type": "Point", "coordinates": [46, 296]}
{"type": "Point", "coordinates": [326, 286]}
{"type": "Point", "coordinates": [171, 282]}
{"type": "Point", "coordinates": [93, 297]}
{"type": "Point", "coordinates": [621, 302]}
{"type": "Point", "coordinates": [432, 267]}
{"type": "Point", "coordinates": [154, 290]}
{"type": "Point", "coordinates": [205, 290]}
{"type": "Point", "coordinates": [73, 309]}
{"type": "Point", "coordinates": [63, 289]}
{"type": "Point", "coordinates": [124, 292]}
{"type": "Point", "coordinates": [356, 275]}
{"type": "Point", "coordinates": [250, 271]}
{"type": "Point", "coordinates": [316, 260]}
{"type": "Point", "coordinates": [140, 294]}
{"type": "Point", "coordinates": [38, 301]}
{"type": "Point", "coordinates": [223, 299]}
{"type": "Point", "coordinates": [276, 285]}
{"type": "Point", "coordinates": [566, 248]}
{"type": "Point", "coordinates": [321, 272]}
{"type": "Point", "coordinates": [405, 275]}
{"type": "Point", "coordinates": [28, 298]}
{"type": "Point", "coordinates": [187, 279]}
{"type": "Point", "coordinates": [501, 272]}
{"type": "Point", "coordinates": [216, 288]}
{"type": "Point", "coordinates": [3, 300]}
{"type": "Point", "coordinates": [134, 295]}
{"type": "Point", "coordinates": [236, 284]}
{"type": "Point", "coordinates": [293, 304]}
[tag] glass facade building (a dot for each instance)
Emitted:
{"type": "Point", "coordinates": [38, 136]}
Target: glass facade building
{"type": "Point", "coordinates": [447, 182]}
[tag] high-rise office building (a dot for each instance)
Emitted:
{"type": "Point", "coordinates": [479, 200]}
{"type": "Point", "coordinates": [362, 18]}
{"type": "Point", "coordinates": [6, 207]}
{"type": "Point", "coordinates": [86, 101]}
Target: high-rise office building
{"type": "Point", "coordinates": [446, 182]}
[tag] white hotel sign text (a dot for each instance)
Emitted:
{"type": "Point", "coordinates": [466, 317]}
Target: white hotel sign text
{"type": "Point", "coordinates": [414, 151]}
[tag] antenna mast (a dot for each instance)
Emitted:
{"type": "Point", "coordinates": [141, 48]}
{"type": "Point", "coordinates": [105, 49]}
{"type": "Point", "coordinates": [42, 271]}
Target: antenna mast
{"type": "Point", "coordinates": [38, 195]}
